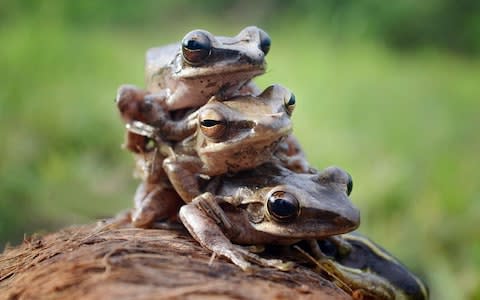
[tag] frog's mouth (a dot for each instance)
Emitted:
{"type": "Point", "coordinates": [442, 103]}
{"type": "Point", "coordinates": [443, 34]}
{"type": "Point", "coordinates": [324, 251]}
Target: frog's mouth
{"type": "Point", "coordinates": [224, 70]}
{"type": "Point", "coordinates": [253, 140]}
{"type": "Point", "coordinates": [308, 229]}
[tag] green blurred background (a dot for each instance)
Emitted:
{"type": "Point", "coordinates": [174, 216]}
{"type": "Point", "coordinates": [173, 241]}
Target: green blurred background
{"type": "Point", "coordinates": [390, 91]}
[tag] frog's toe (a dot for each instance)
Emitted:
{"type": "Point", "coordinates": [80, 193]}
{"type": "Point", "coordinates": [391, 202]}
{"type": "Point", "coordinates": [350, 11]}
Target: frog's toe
{"type": "Point", "coordinates": [243, 264]}
{"type": "Point", "coordinates": [143, 218]}
{"type": "Point", "coordinates": [278, 264]}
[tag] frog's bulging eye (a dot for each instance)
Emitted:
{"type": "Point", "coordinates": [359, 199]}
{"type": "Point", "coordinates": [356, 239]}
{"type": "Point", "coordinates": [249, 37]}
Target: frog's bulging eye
{"type": "Point", "coordinates": [265, 42]}
{"type": "Point", "coordinates": [290, 103]}
{"type": "Point", "coordinates": [212, 123]}
{"type": "Point", "coordinates": [349, 184]}
{"type": "Point", "coordinates": [196, 47]}
{"type": "Point", "coordinates": [283, 206]}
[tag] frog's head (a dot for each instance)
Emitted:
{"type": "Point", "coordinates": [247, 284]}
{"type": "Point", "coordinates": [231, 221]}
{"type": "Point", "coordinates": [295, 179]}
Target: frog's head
{"type": "Point", "coordinates": [244, 131]}
{"type": "Point", "coordinates": [306, 206]}
{"type": "Point", "coordinates": [243, 56]}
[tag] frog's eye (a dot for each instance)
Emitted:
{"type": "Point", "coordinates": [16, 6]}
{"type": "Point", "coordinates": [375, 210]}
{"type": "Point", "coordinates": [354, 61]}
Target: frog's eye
{"type": "Point", "coordinates": [196, 47]}
{"type": "Point", "coordinates": [212, 123]}
{"type": "Point", "coordinates": [283, 206]}
{"type": "Point", "coordinates": [290, 103]}
{"type": "Point", "coordinates": [265, 42]}
{"type": "Point", "coordinates": [349, 184]}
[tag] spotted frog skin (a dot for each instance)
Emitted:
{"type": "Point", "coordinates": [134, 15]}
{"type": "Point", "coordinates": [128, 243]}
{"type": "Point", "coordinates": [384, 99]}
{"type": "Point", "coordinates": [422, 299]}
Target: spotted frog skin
{"type": "Point", "coordinates": [269, 205]}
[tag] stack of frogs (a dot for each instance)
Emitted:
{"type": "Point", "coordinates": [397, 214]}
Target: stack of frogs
{"type": "Point", "coordinates": [217, 152]}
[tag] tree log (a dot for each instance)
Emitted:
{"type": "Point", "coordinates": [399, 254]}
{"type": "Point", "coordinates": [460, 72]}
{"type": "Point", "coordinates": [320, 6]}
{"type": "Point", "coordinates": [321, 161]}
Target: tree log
{"type": "Point", "coordinates": [108, 261]}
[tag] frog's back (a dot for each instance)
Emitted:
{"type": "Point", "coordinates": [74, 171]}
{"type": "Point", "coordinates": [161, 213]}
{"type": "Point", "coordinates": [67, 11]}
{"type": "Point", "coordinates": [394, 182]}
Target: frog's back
{"type": "Point", "coordinates": [159, 58]}
{"type": "Point", "coordinates": [367, 255]}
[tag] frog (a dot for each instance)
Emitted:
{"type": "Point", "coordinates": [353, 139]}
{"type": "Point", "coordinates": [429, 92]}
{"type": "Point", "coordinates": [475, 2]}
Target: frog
{"type": "Point", "coordinates": [269, 205]}
{"type": "Point", "coordinates": [232, 135]}
{"type": "Point", "coordinates": [203, 65]}
{"type": "Point", "coordinates": [365, 269]}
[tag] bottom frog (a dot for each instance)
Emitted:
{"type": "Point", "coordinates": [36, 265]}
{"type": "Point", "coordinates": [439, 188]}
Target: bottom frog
{"type": "Point", "coordinates": [363, 268]}
{"type": "Point", "coordinates": [270, 205]}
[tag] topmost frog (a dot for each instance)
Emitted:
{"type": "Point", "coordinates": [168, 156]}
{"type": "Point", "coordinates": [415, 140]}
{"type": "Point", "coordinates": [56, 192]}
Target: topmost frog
{"type": "Point", "coordinates": [203, 65]}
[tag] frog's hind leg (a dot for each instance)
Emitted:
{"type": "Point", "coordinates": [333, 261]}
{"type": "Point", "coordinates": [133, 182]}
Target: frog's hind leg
{"type": "Point", "coordinates": [154, 203]}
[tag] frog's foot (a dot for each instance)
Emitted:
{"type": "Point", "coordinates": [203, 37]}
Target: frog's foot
{"type": "Point", "coordinates": [273, 263]}
{"type": "Point", "coordinates": [244, 259]}
{"type": "Point", "coordinates": [128, 100]}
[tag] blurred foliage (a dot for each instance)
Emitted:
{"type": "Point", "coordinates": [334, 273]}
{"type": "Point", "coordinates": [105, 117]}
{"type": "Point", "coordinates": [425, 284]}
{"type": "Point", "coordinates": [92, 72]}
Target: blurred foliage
{"type": "Point", "coordinates": [449, 24]}
{"type": "Point", "coordinates": [403, 123]}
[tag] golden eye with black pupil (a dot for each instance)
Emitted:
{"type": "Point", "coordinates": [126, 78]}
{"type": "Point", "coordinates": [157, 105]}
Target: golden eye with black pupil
{"type": "Point", "coordinates": [290, 103]}
{"type": "Point", "coordinates": [196, 47]}
{"type": "Point", "coordinates": [265, 42]}
{"type": "Point", "coordinates": [349, 185]}
{"type": "Point", "coordinates": [212, 123]}
{"type": "Point", "coordinates": [283, 206]}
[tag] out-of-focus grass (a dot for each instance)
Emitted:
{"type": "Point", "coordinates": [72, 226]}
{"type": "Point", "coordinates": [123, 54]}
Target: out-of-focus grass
{"type": "Point", "coordinates": [405, 127]}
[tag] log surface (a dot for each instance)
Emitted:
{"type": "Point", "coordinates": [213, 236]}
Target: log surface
{"type": "Point", "coordinates": [106, 261]}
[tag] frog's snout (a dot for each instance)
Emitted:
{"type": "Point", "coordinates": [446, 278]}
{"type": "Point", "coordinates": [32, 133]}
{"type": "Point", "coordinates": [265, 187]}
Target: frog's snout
{"type": "Point", "coordinates": [350, 219]}
{"type": "Point", "coordinates": [277, 122]}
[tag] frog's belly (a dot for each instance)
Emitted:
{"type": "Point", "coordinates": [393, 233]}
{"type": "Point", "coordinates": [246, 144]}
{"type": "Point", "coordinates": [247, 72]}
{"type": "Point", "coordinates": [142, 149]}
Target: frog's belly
{"type": "Point", "coordinates": [238, 158]}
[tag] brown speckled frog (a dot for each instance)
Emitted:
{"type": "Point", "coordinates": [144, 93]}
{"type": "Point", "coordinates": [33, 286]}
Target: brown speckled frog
{"type": "Point", "coordinates": [269, 205]}
{"type": "Point", "coordinates": [203, 65]}
{"type": "Point", "coordinates": [231, 135]}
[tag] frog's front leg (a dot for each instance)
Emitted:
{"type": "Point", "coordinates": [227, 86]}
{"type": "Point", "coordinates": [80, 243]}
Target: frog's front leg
{"type": "Point", "coordinates": [137, 105]}
{"type": "Point", "coordinates": [204, 219]}
{"type": "Point", "coordinates": [158, 116]}
{"type": "Point", "coordinates": [183, 172]}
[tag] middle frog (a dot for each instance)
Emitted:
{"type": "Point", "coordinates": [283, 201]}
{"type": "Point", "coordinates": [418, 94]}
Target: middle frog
{"type": "Point", "coordinates": [233, 135]}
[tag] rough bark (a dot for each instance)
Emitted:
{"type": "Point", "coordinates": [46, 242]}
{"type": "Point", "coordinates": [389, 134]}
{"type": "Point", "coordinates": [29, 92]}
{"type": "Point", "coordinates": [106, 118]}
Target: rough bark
{"type": "Point", "coordinates": [103, 261]}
